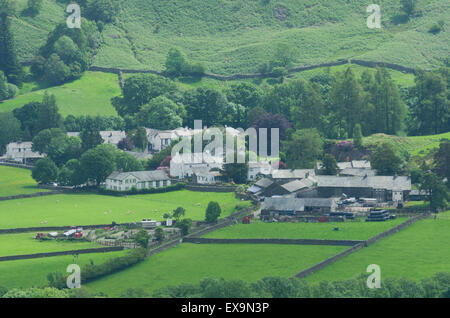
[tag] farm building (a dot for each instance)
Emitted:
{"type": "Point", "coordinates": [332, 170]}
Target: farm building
{"type": "Point", "coordinates": [203, 176]}
{"type": "Point", "coordinates": [290, 206]}
{"type": "Point", "coordinates": [256, 169]}
{"type": "Point", "coordinates": [124, 181]}
{"type": "Point", "coordinates": [184, 165]}
{"type": "Point", "coordinates": [292, 174]}
{"type": "Point", "coordinates": [21, 152]}
{"type": "Point", "coordinates": [383, 188]}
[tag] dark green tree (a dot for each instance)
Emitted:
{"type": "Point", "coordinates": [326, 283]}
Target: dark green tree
{"type": "Point", "coordinates": [45, 171]}
{"type": "Point", "coordinates": [438, 194]}
{"type": "Point", "coordinates": [9, 62]}
{"type": "Point", "coordinates": [98, 163]}
{"type": "Point", "coordinates": [213, 212]}
{"type": "Point", "coordinates": [303, 148]}
{"type": "Point", "coordinates": [9, 130]}
{"type": "Point", "coordinates": [386, 160]}
{"type": "Point", "coordinates": [330, 166]}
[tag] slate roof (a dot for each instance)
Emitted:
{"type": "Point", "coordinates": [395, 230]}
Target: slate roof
{"type": "Point", "coordinates": [292, 174]}
{"type": "Point", "coordinates": [263, 183]}
{"type": "Point", "coordinates": [358, 172]}
{"type": "Point", "coordinates": [156, 175]}
{"type": "Point", "coordinates": [319, 202]}
{"type": "Point", "coordinates": [298, 185]}
{"type": "Point", "coordinates": [400, 183]}
{"type": "Point", "coordinates": [283, 204]}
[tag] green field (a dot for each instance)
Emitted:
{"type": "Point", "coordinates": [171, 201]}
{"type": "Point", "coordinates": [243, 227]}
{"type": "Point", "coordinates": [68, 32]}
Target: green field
{"type": "Point", "coordinates": [33, 272]}
{"type": "Point", "coordinates": [86, 209]}
{"type": "Point", "coordinates": [14, 181]}
{"type": "Point", "coordinates": [414, 145]}
{"type": "Point", "coordinates": [190, 263]}
{"type": "Point", "coordinates": [25, 243]}
{"type": "Point", "coordinates": [416, 252]}
{"type": "Point", "coordinates": [89, 95]}
{"type": "Point", "coordinates": [347, 230]}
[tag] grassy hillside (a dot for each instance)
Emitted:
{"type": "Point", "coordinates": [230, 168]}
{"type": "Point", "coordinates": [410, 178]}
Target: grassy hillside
{"type": "Point", "coordinates": [236, 36]}
{"type": "Point", "coordinates": [414, 145]}
{"type": "Point", "coordinates": [89, 95]}
{"type": "Point", "coordinates": [14, 181]}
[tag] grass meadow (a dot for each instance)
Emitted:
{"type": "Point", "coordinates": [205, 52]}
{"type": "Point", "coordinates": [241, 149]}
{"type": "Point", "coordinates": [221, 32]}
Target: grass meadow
{"type": "Point", "coordinates": [348, 230]}
{"type": "Point", "coordinates": [86, 209]}
{"type": "Point", "coordinates": [25, 243]}
{"type": "Point", "coordinates": [14, 181]}
{"type": "Point", "coordinates": [419, 251]}
{"type": "Point", "coordinates": [190, 263]}
{"type": "Point", "coordinates": [33, 272]}
{"type": "Point", "coordinates": [89, 95]}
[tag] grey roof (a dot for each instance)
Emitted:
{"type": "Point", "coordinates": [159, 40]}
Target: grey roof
{"type": "Point", "coordinates": [283, 204]}
{"type": "Point", "coordinates": [298, 185]}
{"type": "Point", "coordinates": [254, 189]}
{"type": "Point", "coordinates": [156, 175]}
{"type": "Point", "coordinates": [319, 202]}
{"type": "Point", "coordinates": [376, 182]}
{"type": "Point", "coordinates": [264, 183]}
{"type": "Point", "coordinates": [361, 172]}
{"type": "Point", "coordinates": [292, 174]}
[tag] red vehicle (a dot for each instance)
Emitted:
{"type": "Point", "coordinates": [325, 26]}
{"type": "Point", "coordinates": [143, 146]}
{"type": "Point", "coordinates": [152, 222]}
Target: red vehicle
{"type": "Point", "coordinates": [246, 220]}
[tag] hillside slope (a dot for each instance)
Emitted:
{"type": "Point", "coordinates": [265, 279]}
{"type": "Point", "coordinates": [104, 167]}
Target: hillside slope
{"type": "Point", "coordinates": [231, 36]}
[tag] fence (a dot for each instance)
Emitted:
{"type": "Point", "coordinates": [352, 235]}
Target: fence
{"type": "Point", "coordinates": [210, 188]}
{"type": "Point", "coordinates": [15, 165]}
{"type": "Point", "coordinates": [31, 195]}
{"type": "Point", "coordinates": [72, 252]}
{"type": "Point", "coordinates": [199, 240]}
{"type": "Point", "coordinates": [115, 243]}
{"type": "Point", "coordinates": [372, 64]}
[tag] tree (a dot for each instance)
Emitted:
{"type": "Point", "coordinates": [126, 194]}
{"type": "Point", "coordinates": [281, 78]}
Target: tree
{"type": "Point", "coordinates": [235, 172]}
{"type": "Point", "coordinates": [270, 121]}
{"type": "Point", "coordinates": [386, 160]}
{"type": "Point", "coordinates": [34, 6]}
{"type": "Point", "coordinates": [442, 160]}
{"type": "Point", "coordinates": [98, 163]}
{"type": "Point", "coordinates": [55, 70]}
{"type": "Point", "coordinates": [125, 144]}
{"type": "Point", "coordinates": [27, 115]}
{"type": "Point", "coordinates": [184, 225]}
{"type": "Point", "coordinates": [9, 130]}
{"type": "Point", "coordinates": [161, 113]}
{"type": "Point", "coordinates": [139, 90]}
{"type": "Point", "coordinates": [7, 90]}
{"type": "Point", "coordinates": [430, 111]}
{"type": "Point", "coordinates": [9, 62]}
{"type": "Point", "coordinates": [179, 212]}
{"type": "Point", "coordinates": [127, 162]}
{"type": "Point", "coordinates": [142, 238]}
{"type": "Point", "coordinates": [63, 148]}
{"type": "Point", "coordinates": [330, 166]}
{"type": "Point", "coordinates": [245, 94]}
{"type": "Point", "coordinates": [90, 139]}
{"type": "Point", "coordinates": [159, 234]}
{"type": "Point", "coordinates": [139, 138]}
{"type": "Point", "coordinates": [409, 6]}
{"type": "Point", "coordinates": [303, 148]}
{"type": "Point", "coordinates": [254, 114]}
{"type": "Point", "coordinates": [48, 115]}
{"type": "Point", "coordinates": [437, 193]}
{"type": "Point", "coordinates": [206, 104]}
{"type": "Point", "coordinates": [43, 139]}
{"type": "Point", "coordinates": [357, 136]}
{"type": "Point", "coordinates": [102, 10]}
{"type": "Point", "coordinates": [45, 171]}
{"type": "Point", "coordinates": [213, 212]}
{"type": "Point", "coordinates": [175, 62]}
{"type": "Point", "coordinates": [71, 174]}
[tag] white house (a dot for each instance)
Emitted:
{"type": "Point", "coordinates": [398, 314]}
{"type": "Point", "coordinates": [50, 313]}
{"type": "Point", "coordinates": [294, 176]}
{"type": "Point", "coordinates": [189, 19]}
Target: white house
{"type": "Point", "coordinates": [258, 168]}
{"type": "Point", "coordinates": [206, 177]}
{"type": "Point", "coordinates": [124, 181]}
{"type": "Point", "coordinates": [21, 152]}
{"type": "Point", "coordinates": [160, 139]}
{"type": "Point", "coordinates": [184, 165]}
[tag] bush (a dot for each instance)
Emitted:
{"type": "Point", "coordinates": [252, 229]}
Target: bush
{"type": "Point", "coordinates": [212, 212]}
{"type": "Point", "coordinates": [184, 225]}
